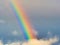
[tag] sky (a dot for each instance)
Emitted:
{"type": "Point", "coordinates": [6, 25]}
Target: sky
{"type": "Point", "coordinates": [44, 16]}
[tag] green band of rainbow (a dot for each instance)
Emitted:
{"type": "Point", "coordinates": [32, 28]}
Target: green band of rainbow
{"type": "Point", "coordinates": [22, 20]}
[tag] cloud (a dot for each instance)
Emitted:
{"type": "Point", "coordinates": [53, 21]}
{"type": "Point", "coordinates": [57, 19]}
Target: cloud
{"type": "Point", "coordinates": [1, 43]}
{"type": "Point", "coordinates": [15, 33]}
{"type": "Point", "coordinates": [34, 42]}
{"type": "Point", "coordinates": [2, 21]}
{"type": "Point", "coordinates": [49, 33]}
{"type": "Point", "coordinates": [41, 41]}
{"type": "Point", "coordinates": [14, 43]}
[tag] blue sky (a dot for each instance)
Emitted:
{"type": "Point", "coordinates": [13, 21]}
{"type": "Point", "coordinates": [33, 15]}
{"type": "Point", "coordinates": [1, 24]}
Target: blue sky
{"type": "Point", "coordinates": [43, 14]}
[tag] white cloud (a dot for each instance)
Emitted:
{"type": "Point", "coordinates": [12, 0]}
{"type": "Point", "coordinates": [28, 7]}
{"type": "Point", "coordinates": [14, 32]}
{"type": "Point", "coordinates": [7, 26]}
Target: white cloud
{"type": "Point", "coordinates": [49, 33]}
{"type": "Point", "coordinates": [34, 42]}
{"type": "Point", "coordinates": [41, 41]}
{"type": "Point", "coordinates": [1, 43]}
{"type": "Point", "coordinates": [14, 43]}
{"type": "Point", "coordinates": [15, 33]}
{"type": "Point", "coordinates": [2, 21]}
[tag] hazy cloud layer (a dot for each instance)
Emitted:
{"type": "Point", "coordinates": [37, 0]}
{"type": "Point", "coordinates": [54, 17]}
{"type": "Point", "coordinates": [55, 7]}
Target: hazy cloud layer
{"type": "Point", "coordinates": [47, 7]}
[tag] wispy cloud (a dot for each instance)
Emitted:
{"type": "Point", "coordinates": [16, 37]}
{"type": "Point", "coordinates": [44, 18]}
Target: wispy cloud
{"type": "Point", "coordinates": [15, 33]}
{"type": "Point", "coordinates": [2, 21]}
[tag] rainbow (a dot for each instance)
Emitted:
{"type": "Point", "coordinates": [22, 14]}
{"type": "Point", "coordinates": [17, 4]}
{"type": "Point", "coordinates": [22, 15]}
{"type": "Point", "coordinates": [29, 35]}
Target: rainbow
{"type": "Point", "coordinates": [23, 21]}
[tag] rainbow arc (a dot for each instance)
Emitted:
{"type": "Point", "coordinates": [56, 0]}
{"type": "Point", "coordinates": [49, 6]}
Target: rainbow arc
{"type": "Point", "coordinates": [23, 21]}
